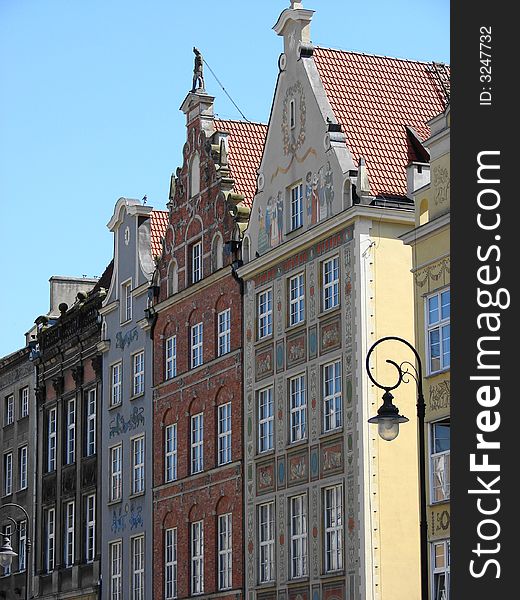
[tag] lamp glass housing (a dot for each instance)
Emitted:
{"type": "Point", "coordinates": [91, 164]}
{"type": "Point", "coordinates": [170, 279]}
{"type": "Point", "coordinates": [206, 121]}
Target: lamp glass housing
{"type": "Point", "coordinates": [388, 429]}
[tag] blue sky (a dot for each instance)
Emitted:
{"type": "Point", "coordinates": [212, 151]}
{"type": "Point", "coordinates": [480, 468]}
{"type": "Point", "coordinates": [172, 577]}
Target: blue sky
{"type": "Point", "coordinates": [89, 110]}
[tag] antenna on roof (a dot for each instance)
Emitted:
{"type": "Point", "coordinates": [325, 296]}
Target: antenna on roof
{"type": "Point", "coordinates": [225, 91]}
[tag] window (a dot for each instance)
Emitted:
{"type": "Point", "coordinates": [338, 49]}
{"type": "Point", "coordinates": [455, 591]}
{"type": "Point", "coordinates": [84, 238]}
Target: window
{"type": "Point", "coordinates": [170, 453]}
{"type": "Point", "coordinates": [296, 299]}
{"type": "Point", "coordinates": [138, 376]}
{"type": "Point", "coordinates": [137, 559]}
{"type": "Point", "coordinates": [50, 525]}
{"type": "Point", "coordinates": [265, 313]}
{"type": "Point", "coordinates": [333, 518]}
{"type": "Point", "coordinates": [265, 420]}
{"type": "Point", "coordinates": [91, 423]}
{"type": "Point", "coordinates": [22, 463]}
{"type": "Point", "coordinates": [266, 541]}
{"type": "Point", "coordinates": [138, 465]}
{"type": "Point", "coordinates": [331, 283]}
{"type": "Point", "coordinates": [197, 440]}
{"type": "Point", "coordinates": [332, 401]}
{"type": "Point", "coordinates": [69, 534]}
{"type": "Point", "coordinates": [438, 331]}
{"type": "Point", "coordinates": [126, 301]}
{"type": "Point", "coordinates": [9, 410]}
{"type": "Point", "coordinates": [115, 570]}
{"type": "Point", "coordinates": [197, 558]}
{"type": "Point", "coordinates": [22, 545]}
{"type": "Point", "coordinates": [173, 278]}
{"type": "Point", "coordinates": [115, 384]}
{"type": "Point", "coordinates": [298, 408]}
{"type": "Point", "coordinates": [292, 113]}
{"type": "Point", "coordinates": [224, 552]}
{"type": "Point", "coordinates": [171, 357]}
{"type": "Point", "coordinates": [298, 534]}
{"type": "Point", "coordinates": [224, 332]}
{"type": "Point", "coordinates": [224, 433]}
{"type": "Point", "coordinates": [70, 435]}
{"type": "Point", "coordinates": [8, 473]}
{"type": "Point", "coordinates": [116, 467]}
{"type": "Point", "coordinates": [51, 440]}
{"type": "Point", "coordinates": [441, 570]}
{"type": "Point", "coordinates": [170, 563]}
{"type": "Point", "coordinates": [196, 345]}
{"type": "Point", "coordinates": [90, 533]}
{"type": "Point", "coordinates": [7, 532]}
{"type": "Point", "coordinates": [440, 461]}
{"type": "Point", "coordinates": [296, 206]}
{"type": "Point", "coordinates": [196, 262]}
{"type": "Point", "coordinates": [24, 402]}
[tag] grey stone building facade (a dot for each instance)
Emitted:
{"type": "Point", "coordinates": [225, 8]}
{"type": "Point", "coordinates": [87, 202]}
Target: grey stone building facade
{"type": "Point", "coordinates": [18, 467]}
{"type": "Point", "coordinates": [126, 452]}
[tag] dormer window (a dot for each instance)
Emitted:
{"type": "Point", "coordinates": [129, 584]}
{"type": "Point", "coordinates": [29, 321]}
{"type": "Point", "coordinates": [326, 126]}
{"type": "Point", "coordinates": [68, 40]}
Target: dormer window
{"type": "Point", "coordinates": [196, 262]}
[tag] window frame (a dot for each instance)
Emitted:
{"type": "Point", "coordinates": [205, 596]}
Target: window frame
{"type": "Point", "coordinates": [197, 558]}
{"type": "Point", "coordinates": [266, 546]}
{"type": "Point", "coordinates": [264, 318]}
{"type": "Point", "coordinates": [138, 465]}
{"type": "Point", "coordinates": [22, 545]}
{"type": "Point", "coordinates": [197, 445]}
{"type": "Point", "coordinates": [91, 424]}
{"type": "Point", "coordinates": [224, 332]}
{"type": "Point", "coordinates": [225, 552]}
{"type": "Point", "coordinates": [265, 423]}
{"type": "Point", "coordinates": [436, 572]}
{"type": "Point", "coordinates": [330, 302]}
{"type": "Point", "coordinates": [116, 386]}
{"type": "Point", "coordinates": [116, 475]}
{"type": "Point", "coordinates": [115, 559]}
{"type": "Point", "coordinates": [138, 373]}
{"type": "Point", "coordinates": [224, 439]}
{"type": "Point", "coordinates": [332, 404]}
{"type": "Point", "coordinates": [8, 473]}
{"type": "Point", "coordinates": [170, 357]}
{"type": "Point", "coordinates": [70, 437]}
{"type": "Point", "coordinates": [437, 457]}
{"type": "Point", "coordinates": [334, 536]}
{"type": "Point", "coordinates": [50, 540]}
{"type": "Point", "coordinates": [90, 528]}
{"type": "Point", "coordinates": [23, 467]}
{"type": "Point", "coordinates": [196, 261]}
{"type": "Point", "coordinates": [296, 316]}
{"type": "Point", "coordinates": [298, 424]}
{"type": "Point", "coordinates": [69, 541]}
{"type": "Point", "coordinates": [296, 206]}
{"type": "Point", "coordinates": [137, 564]}
{"type": "Point", "coordinates": [126, 301]}
{"type": "Point", "coordinates": [437, 326]}
{"type": "Point", "coordinates": [52, 426]}
{"type": "Point", "coordinates": [9, 410]}
{"type": "Point", "coordinates": [197, 345]}
{"type": "Point", "coordinates": [170, 454]}
{"type": "Point", "coordinates": [24, 402]}
{"type": "Point", "coordinates": [170, 563]}
{"type": "Point", "coordinates": [298, 537]}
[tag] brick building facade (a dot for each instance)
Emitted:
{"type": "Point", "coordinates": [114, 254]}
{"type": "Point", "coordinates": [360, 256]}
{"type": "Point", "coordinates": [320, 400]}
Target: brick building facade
{"type": "Point", "coordinates": [198, 478]}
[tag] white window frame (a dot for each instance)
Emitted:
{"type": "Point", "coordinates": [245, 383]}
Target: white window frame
{"type": "Point", "coordinates": [70, 438]}
{"type": "Point", "coordinates": [69, 534]}
{"type": "Point", "coordinates": [51, 439]}
{"type": "Point", "coordinates": [116, 377]}
{"type": "Point", "coordinates": [225, 552]}
{"type": "Point", "coordinates": [90, 528]}
{"type": "Point", "coordinates": [296, 299]}
{"type": "Point", "coordinates": [298, 408]}
{"type": "Point", "coordinates": [440, 573]}
{"type": "Point", "coordinates": [439, 467]}
{"type": "Point", "coordinates": [126, 301]}
{"type": "Point", "coordinates": [9, 410]}
{"type": "Point", "coordinates": [438, 327]}
{"type": "Point", "coordinates": [138, 464]}
{"type": "Point", "coordinates": [197, 557]}
{"type": "Point", "coordinates": [116, 472]}
{"type": "Point", "coordinates": [24, 402]}
{"type": "Point", "coordinates": [298, 536]}
{"type": "Point", "coordinates": [137, 566]}
{"type": "Point", "coordinates": [224, 332]}
{"type": "Point", "coordinates": [91, 422]}
{"type": "Point", "coordinates": [265, 420]}
{"type": "Point", "coordinates": [23, 457]}
{"type": "Point", "coordinates": [116, 563]}
{"type": "Point", "coordinates": [296, 199]}
{"type": "Point", "coordinates": [197, 443]}
{"type": "Point", "coordinates": [332, 397]}
{"type": "Point", "coordinates": [170, 453]}
{"type": "Point", "coordinates": [333, 528]}
{"type": "Point", "coordinates": [7, 532]}
{"type": "Point", "coordinates": [22, 545]}
{"type": "Point", "coordinates": [330, 279]}
{"type": "Point", "coordinates": [8, 473]}
{"type": "Point", "coordinates": [197, 349]}
{"type": "Point", "coordinates": [138, 373]}
{"type": "Point", "coordinates": [196, 261]}
{"type": "Point", "coordinates": [224, 433]}
{"type": "Point", "coordinates": [266, 559]}
{"type": "Point", "coordinates": [50, 532]}
{"type": "Point", "coordinates": [170, 563]}
{"type": "Point", "coordinates": [171, 357]}
{"type": "Point", "coordinates": [265, 313]}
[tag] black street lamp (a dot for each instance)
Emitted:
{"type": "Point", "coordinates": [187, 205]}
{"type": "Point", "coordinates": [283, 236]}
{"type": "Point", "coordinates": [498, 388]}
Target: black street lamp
{"type": "Point", "coordinates": [6, 551]}
{"type": "Point", "coordinates": [388, 420]}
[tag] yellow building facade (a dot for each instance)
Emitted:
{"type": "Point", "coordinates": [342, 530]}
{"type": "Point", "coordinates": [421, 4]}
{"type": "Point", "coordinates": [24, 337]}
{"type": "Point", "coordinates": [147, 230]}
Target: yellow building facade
{"type": "Point", "coordinates": [430, 243]}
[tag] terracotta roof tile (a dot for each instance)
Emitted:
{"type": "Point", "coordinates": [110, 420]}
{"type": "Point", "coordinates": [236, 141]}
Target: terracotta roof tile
{"type": "Point", "coordinates": [375, 98]}
{"type": "Point", "coordinates": [158, 224]}
{"type": "Point", "coordinates": [245, 147]}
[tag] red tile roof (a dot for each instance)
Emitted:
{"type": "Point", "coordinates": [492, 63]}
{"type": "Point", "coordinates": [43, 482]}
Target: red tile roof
{"type": "Point", "coordinates": [245, 147]}
{"type": "Point", "coordinates": [375, 98]}
{"type": "Point", "coordinates": [158, 224]}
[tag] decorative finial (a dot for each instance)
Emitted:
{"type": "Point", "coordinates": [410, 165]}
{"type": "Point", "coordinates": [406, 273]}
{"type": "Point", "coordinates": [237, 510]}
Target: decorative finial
{"type": "Point", "coordinates": [296, 4]}
{"type": "Point", "coordinates": [198, 75]}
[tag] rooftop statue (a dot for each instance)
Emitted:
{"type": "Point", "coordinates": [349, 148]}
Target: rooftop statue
{"type": "Point", "coordinates": [198, 76]}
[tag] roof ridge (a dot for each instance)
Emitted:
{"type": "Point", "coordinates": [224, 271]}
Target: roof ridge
{"type": "Point", "coordinates": [413, 60]}
{"type": "Point", "coordinates": [245, 122]}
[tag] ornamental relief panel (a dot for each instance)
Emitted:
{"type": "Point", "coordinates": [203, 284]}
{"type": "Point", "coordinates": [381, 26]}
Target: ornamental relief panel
{"type": "Point", "coordinates": [440, 185]}
{"type": "Point", "coordinates": [433, 276]}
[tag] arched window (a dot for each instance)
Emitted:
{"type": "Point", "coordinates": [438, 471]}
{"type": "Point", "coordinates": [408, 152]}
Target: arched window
{"type": "Point", "coordinates": [217, 252]}
{"type": "Point", "coordinates": [173, 280]}
{"type": "Point", "coordinates": [246, 244]}
{"type": "Point", "coordinates": [423, 212]}
{"type": "Point", "coordinates": [195, 175]}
